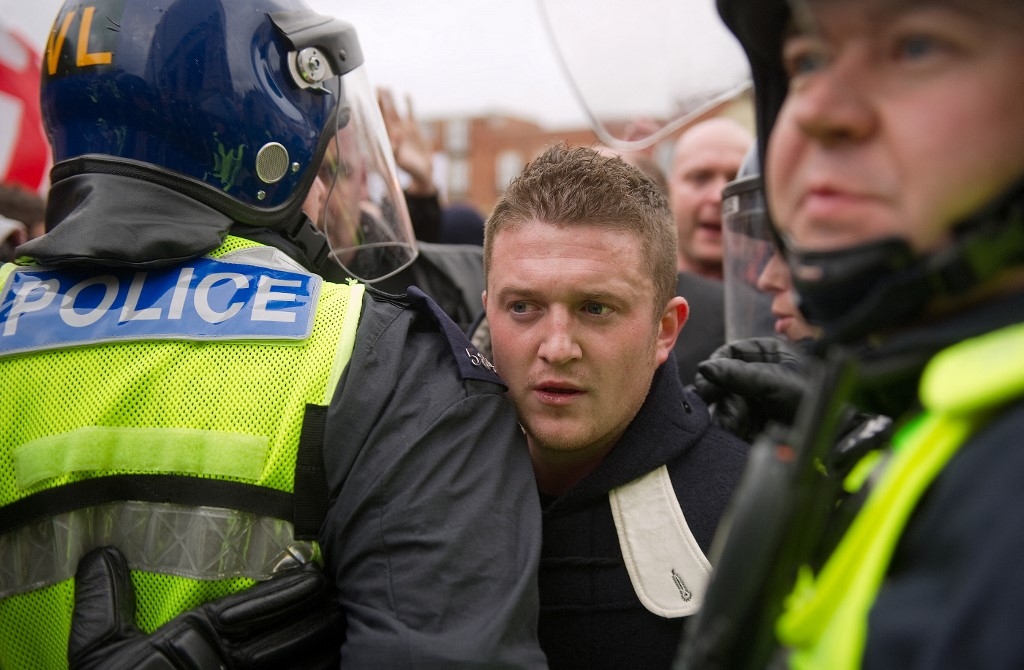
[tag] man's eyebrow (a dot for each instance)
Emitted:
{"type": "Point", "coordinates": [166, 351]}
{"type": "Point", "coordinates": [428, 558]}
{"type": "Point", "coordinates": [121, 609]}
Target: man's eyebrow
{"type": "Point", "coordinates": [599, 296]}
{"type": "Point", "coordinates": [880, 11]}
{"type": "Point", "coordinates": [580, 295]}
{"type": "Point", "coordinates": [505, 292]}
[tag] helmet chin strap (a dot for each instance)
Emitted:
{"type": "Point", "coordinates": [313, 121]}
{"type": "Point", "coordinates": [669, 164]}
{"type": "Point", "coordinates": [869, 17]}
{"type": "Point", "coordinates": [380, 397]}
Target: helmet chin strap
{"type": "Point", "coordinates": [311, 242]}
{"type": "Point", "coordinates": [882, 285]}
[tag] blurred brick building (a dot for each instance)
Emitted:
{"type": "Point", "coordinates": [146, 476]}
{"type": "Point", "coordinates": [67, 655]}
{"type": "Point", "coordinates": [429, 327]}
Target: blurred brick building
{"type": "Point", "coordinates": [477, 156]}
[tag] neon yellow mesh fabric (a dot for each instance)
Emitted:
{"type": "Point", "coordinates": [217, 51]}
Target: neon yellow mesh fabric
{"type": "Point", "coordinates": [256, 388]}
{"type": "Point", "coordinates": [162, 597]}
{"type": "Point", "coordinates": [48, 646]}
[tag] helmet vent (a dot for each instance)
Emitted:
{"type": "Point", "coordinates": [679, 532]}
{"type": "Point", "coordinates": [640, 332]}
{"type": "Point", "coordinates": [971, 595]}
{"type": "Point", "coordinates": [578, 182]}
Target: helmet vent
{"type": "Point", "coordinates": [272, 162]}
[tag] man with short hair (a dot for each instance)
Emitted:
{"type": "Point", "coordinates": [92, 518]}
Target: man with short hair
{"type": "Point", "coordinates": [579, 259]}
{"type": "Point", "coordinates": [705, 158]}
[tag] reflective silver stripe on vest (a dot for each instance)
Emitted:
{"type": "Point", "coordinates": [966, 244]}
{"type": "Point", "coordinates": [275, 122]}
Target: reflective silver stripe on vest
{"type": "Point", "coordinates": [203, 543]}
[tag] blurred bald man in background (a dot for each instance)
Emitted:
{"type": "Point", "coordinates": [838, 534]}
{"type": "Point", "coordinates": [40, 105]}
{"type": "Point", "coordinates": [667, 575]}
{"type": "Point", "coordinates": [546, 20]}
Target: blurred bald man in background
{"type": "Point", "coordinates": [706, 157]}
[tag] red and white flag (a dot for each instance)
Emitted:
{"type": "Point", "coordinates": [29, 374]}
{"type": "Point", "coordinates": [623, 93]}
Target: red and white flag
{"type": "Point", "coordinates": [24, 150]}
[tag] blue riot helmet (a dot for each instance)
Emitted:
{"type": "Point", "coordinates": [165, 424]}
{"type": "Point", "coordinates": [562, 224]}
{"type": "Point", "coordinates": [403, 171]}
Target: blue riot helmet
{"type": "Point", "coordinates": [747, 247]}
{"type": "Point", "coordinates": [878, 286]}
{"type": "Point", "coordinates": [235, 104]}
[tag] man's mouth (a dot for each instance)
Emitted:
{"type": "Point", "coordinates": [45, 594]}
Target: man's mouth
{"type": "Point", "coordinates": [556, 394]}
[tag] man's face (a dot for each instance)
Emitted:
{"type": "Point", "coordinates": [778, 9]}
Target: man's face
{"type": "Point", "coordinates": [707, 157]}
{"type": "Point", "coordinates": [574, 332]}
{"type": "Point", "coordinates": [338, 193]}
{"type": "Point", "coordinates": [898, 122]}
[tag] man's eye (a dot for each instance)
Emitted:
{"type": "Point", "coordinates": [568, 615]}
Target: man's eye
{"type": "Point", "coordinates": [700, 178]}
{"type": "Point", "coordinates": [327, 171]}
{"type": "Point", "coordinates": [518, 308]}
{"type": "Point", "coordinates": [331, 168]}
{"type": "Point", "coordinates": [596, 308]}
{"type": "Point", "coordinates": [806, 63]}
{"type": "Point", "coordinates": [803, 55]}
{"type": "Point", "coordinates": [913, 47]}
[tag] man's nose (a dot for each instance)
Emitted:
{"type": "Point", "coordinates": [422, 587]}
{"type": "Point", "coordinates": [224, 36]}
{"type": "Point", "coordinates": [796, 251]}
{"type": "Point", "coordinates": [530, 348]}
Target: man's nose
{"type": "Point", "coordinates": [833, 106]}
{"type": "Point", "coordinates": [314, 203]}
{"type": "Point", "coordinates": [560, 344]}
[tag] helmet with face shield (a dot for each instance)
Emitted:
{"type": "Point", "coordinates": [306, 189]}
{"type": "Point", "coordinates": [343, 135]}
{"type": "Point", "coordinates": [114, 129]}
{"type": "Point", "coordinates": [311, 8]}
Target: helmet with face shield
{"type": "Point", "coordinates": [234, 104]}
{"type": "Point", "coordinates": [877, 285]}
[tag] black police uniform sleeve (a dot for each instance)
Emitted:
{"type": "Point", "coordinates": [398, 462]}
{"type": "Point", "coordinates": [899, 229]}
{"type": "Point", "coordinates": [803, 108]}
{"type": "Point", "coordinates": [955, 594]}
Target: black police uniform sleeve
{"type": "Point", "coordinates": [425, 214]}
{"type": "Point", "coordinates": [433, 529]}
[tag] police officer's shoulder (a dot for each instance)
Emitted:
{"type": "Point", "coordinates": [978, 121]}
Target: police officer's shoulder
{"type": "Point", "coordinates": [472, 365]}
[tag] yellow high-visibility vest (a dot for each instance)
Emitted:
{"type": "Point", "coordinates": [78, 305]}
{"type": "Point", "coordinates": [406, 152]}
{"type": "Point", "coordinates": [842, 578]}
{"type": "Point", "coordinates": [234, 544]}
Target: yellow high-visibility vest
{"type": "Point", "coordinates": [826, 616]}
{"type": "Point", "coordinates": [136, 409]}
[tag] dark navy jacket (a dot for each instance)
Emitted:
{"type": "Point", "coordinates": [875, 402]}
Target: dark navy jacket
{"type": "Point", "coordinates": [590, 615]}
{"type": "Point", "coordinates": [953, 596]}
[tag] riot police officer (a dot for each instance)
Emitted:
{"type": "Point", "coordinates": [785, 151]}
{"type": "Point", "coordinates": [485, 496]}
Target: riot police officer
{"type": "Point", "coordinates": [893, 143]}
{"type": "Point", "coordinates": [193, 408]}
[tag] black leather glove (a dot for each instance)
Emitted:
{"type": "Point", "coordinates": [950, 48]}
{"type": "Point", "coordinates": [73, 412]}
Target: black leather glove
{"type": "Point", "coordinates": [750, 383]}
{"type": "Point", "coordinates": [289, 621]}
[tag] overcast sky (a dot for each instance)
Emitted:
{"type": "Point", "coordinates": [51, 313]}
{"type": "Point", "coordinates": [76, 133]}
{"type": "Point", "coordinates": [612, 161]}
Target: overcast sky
{"type": "Point", "coordinates": [463, 57]}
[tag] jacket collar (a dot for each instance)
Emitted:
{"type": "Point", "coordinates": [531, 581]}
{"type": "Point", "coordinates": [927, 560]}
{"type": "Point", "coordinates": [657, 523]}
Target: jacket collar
{"type": "Point", "coordinates": [890, 373]}
{"type": "Point", "coordinates": [115, 221]}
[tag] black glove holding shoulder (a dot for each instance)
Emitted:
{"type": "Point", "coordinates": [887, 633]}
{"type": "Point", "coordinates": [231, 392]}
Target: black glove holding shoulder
{"type": "Point", "coordinates": [752, 382]}
{"type": "Point", "coordinates": [289, 621]}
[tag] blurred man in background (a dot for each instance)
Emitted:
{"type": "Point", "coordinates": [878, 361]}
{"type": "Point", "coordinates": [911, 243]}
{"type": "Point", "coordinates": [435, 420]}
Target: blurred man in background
{"type": "Point", "coordinates": [705, 158]}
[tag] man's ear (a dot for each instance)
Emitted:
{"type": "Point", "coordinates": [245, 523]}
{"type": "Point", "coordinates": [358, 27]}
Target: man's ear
{"type": "Point", "coordinates": [483, 299]}
{"type": "Point", "coordinates": [673, 318]}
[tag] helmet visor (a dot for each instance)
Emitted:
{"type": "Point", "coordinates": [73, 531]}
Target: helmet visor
{"type": "Point", "coordinates": [362, 211]}
{"type": "Point", "coordinates": [642, 69]}
{"type": "Point", "coordinates": [747, 247]}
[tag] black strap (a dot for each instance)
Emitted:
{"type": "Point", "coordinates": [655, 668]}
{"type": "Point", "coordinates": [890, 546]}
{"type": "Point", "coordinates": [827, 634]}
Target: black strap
{"type": "Point", "coordinates": [175, 489]}
{"type": "Point", "coordinates": [310, 480]}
